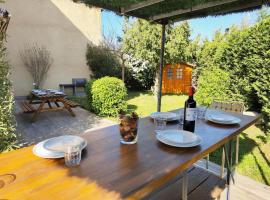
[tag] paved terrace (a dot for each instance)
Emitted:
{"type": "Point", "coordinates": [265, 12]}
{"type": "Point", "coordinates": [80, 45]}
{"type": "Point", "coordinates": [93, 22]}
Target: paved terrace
{"type": "Point", "coordinates": [55, 123]}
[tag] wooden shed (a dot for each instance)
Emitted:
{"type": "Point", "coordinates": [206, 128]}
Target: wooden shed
{"type": "Point", "coordinates": [177, 78]}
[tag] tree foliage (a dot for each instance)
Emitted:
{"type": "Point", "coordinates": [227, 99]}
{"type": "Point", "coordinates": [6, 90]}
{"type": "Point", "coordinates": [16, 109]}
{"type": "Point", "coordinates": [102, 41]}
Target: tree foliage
{"type": "Point", "coordinates": [102, 61]}
{"type": "Point", "coordinates": [7, 136]}
{"type": "Point", "coordinates": [142, 42]}
{"type": "Point", "coordinates": [243, 54]}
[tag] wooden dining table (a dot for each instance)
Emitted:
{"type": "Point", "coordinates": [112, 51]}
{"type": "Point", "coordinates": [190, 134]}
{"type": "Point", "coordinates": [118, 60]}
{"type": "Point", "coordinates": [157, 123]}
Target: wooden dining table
{"type": "Point", "coordinates": [110, 170]}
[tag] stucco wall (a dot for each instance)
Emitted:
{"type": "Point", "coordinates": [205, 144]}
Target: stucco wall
{"type": "Point", "coordinates": [63, 27]}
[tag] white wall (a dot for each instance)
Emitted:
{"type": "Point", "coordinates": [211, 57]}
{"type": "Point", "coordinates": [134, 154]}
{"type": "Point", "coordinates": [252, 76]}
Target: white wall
{"type": "Point", "coordinates": [63, 27]}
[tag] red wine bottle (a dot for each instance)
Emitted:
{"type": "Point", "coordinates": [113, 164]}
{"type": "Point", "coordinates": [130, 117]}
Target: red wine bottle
{"type": "Point", "coordinates": [190, 112]}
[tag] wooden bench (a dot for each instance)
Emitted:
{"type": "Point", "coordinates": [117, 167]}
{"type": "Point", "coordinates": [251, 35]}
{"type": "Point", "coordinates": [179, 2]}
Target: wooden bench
{"type": "Point", "coordinates": [72, 104]}
{"type": "Point", "coordinates": [26, 107]}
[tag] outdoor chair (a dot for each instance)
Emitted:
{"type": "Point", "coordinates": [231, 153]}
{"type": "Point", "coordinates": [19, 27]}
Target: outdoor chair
{"type": "Point", "coordinates": [79, 83]}
{"type": "Point", "coordinates": [76, 83]}
{"type": "Point", "coordinates": [227, 106]}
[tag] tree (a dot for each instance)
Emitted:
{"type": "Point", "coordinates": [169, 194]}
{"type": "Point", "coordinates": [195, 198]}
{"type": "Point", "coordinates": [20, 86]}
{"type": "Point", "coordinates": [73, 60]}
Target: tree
{"type": "Point", "coordinates": [142, 41]}
{"type": "Point", "coordinates": [102, 61]}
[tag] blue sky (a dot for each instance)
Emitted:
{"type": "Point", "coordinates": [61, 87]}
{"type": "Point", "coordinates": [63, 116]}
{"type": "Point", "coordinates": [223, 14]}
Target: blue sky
{"type": "Point", "coordinates": [112, 24]}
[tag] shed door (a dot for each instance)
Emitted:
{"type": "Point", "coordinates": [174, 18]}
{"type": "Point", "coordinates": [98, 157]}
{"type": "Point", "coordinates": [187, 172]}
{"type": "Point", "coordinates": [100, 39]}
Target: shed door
{"type": "Point", "coordinates": [176, 79]}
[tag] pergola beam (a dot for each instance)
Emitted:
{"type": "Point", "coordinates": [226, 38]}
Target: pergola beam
{"type": "Point", "coordinates": [228, 10]}
{"type": "Point", "coordinates": [192, 9]}
{"type": "Point", "coordinates": [140, 5]}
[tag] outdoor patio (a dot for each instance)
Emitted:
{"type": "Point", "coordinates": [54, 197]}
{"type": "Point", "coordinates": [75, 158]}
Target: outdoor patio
{"type": "Point", "coordinates": [52, 124]}
{"type": "Point", "coordinates": [189, 115]}
{"type": "Point", "coordinates": [57, 123]}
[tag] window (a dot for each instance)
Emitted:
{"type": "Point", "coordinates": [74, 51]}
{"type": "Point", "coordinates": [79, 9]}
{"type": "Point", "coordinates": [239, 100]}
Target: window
{"type": "Point", "coordinates": [170, 73]}
{"type": "Point", "coordinates": [179, 73]}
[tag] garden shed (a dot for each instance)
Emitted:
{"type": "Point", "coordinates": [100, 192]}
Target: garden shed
{"type": "Point", "coordinates": [177, 78]}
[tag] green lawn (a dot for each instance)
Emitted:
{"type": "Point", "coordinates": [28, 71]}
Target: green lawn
{"type": "Point", "coordinates": [254, 155]}
{"type": "Point", "coordinates": [145, 103]}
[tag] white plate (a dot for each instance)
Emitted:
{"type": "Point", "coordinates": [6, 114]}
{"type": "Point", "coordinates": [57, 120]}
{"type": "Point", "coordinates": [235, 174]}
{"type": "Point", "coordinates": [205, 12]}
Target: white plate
{"type": "Point", "coordinates": [58, 143]}
{"type": "Point", "coordinates": [178, 138]}
{"type": "Point", "coordinates": [40, 151]}
{"type": "Point", "coordinates": [59, 93]}
{"type": "Point", "coordinates": [169, 116]}
{"type": "Point", "coordinates": [222, 118]}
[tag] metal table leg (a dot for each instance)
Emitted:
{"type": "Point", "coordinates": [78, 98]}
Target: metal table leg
{"type": "Point", "coordinates": [228, 156]}
{"type": "Point", "coordinates": [185, 185]}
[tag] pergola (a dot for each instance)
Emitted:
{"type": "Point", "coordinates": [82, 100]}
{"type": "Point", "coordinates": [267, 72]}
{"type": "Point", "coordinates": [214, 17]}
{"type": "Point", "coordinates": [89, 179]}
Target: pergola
{"type": "Point", "coordinates": [170, 11]}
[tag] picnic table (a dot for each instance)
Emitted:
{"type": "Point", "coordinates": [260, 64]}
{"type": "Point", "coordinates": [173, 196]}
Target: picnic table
{"type": "Point", "coordinates": [109, 170]}
{"type": "Point", "coordinates": [54, 100]}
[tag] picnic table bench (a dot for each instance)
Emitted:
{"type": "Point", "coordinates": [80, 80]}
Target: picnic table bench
{"type": "Point", "coordinates": [51, 99]}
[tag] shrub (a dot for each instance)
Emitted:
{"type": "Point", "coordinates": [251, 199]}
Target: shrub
{"type": "Point", "coordinates": [108, 96]}
{"type": "Point", "coordinates": [37, 60]}
{"type": "Point", "coordinates": [88, 92]}
{"type": "Point", "coordinates": [7, 136]}
{"type": "Point", "coordinates": [213, 84]}
{"type": "Point", "coordinates": [102, 62]}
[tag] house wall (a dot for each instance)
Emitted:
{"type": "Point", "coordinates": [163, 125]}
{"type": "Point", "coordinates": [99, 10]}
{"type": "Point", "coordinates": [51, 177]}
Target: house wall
{"type": "Point", "coordinates": [63, 27]}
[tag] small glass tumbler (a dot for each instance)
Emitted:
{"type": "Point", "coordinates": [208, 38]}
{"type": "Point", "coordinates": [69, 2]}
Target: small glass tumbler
{"type": "Point", "coordinates": [73, 155]}
{"type": "Point", "coordinates": [201, 112]}
{"type": "Point", "coordinates": [160, 123]}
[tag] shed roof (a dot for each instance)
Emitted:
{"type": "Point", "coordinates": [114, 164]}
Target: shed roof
{"type": "Point", "coordinates": [164, 11]}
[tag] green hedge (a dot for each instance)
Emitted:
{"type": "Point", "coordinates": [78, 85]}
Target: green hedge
{"type": "Point", "coordinates": [108, 96]}
{"type": "Point", "coordinates": [213, 84]}
{"type": "Point", "coordinates": [242, 59]}
{"type": "Point", "coordinates": [7, 136]}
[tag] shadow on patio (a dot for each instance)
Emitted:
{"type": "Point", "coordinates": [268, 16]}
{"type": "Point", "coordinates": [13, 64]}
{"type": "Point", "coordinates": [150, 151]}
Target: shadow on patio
{"type": "Point", "coordinates": [55, 123]}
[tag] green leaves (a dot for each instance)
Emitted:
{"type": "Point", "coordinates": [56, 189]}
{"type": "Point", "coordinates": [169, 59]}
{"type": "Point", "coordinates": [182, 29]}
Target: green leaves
{"type": "Point", "coordinates": [7, 136]}
{"type": "Point", "coordinates": [238, 64]}
{"type": "Point", "coordinates": [142, 42]}
{"type": "Point", "coordinates": [108, 96]}
{"type": "Point", "coordinates": [102, 61]}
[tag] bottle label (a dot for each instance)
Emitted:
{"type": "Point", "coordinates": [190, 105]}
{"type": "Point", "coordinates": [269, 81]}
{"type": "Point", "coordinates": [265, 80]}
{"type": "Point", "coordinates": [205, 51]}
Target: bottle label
{"type": "Point", "coordinates": [190, 114]}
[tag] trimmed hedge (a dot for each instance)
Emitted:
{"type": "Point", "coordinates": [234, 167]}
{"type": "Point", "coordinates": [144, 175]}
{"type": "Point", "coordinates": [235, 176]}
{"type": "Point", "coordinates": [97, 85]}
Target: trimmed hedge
{"type": "Point", "coordinates": [213, 84]}
{"type": "Point", "coordinates": [108, 96]}
{"type": "Point", "coordinates": [241, 58]}
{"type": "Point", "coordinates": [7, 136]}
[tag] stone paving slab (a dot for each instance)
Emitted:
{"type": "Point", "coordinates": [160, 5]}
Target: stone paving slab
{"type": "Point", "coordinates": [55, 123]}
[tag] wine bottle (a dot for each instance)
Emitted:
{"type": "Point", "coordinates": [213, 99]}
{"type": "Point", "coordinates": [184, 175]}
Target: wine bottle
{"type": "Point", "coordinates": [190, 112]}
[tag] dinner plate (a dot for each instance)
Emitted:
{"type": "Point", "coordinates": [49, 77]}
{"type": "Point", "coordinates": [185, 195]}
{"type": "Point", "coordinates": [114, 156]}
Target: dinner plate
{"type": "Point", "coordinates": [59, 93]}
{"type": "Point", "coordinates": [40, 151]}
{"type": "Point", "coordinates": [222, 118]}
{"type": "Point", "coordinates": [58, 144]}
{"type": "Point", "coordinates": [178, 138]}
{"type": "Point", "coordinates": [169, 116]}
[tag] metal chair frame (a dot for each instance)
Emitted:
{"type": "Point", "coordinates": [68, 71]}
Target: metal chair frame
{"type": "Point", "coordinates": [227, 106]}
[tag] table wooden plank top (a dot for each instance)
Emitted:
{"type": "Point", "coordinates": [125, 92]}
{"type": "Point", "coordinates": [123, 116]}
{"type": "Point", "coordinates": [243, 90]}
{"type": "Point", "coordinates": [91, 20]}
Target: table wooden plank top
{"type": "Point", "coordinates": [109, 170]}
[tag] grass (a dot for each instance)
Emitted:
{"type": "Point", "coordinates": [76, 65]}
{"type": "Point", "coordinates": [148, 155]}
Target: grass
{"type": "Point", "coordinates": [145, 103]}
{"type": "Point", "coordinates": [254, 152]}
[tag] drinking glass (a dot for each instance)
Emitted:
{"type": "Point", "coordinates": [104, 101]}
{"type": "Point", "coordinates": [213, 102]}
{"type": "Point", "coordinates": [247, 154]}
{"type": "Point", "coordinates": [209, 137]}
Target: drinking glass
{"type": "Point", "coordinates": [129, 130]}
{"type": "Point", "coordinates": [160, 123]}
{"type": "Point", "coordinates": [181, 116]}
{"type": "Point", "coordinates": [73, 155]}
{"type": "Point", "coordinates": [201, 111]}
